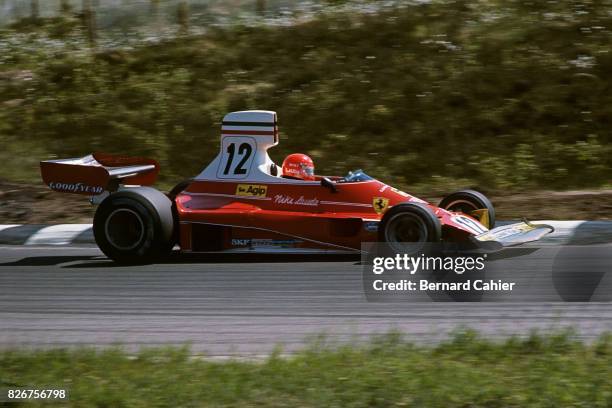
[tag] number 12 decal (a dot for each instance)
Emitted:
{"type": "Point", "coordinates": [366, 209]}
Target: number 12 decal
{"type": "Point", "coordinates": [238, 154]}
{"type": "Point", "coordinates": [245, 150]}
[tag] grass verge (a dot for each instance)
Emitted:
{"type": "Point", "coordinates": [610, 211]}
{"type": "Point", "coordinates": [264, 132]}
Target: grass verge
{"type": "Point", "coordinates": [466, 371]}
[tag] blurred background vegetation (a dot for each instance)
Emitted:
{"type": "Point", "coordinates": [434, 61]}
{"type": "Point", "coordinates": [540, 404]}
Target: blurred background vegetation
{"type": "Point", "coordinates": [500, 95]}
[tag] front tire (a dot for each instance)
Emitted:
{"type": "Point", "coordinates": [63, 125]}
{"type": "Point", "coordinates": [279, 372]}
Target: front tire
{"type": "Point", "coordinates": [409, 228]}
{"type": "Point", "coordinates": [135, 226]}
{"type": "Point", "coordinates": [471, 203]}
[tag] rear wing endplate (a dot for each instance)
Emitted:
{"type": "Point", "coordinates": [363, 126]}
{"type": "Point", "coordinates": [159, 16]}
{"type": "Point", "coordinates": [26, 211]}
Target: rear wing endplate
{"type": "Point", "coordinates": [98, 172]}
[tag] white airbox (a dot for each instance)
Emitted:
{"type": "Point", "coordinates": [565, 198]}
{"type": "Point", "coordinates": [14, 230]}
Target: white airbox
{"type": "Point", "coordinates": [246, 137]}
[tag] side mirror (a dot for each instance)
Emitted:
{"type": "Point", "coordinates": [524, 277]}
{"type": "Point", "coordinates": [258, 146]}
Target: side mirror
{"type": "Point", "coordinates": [327, 183]}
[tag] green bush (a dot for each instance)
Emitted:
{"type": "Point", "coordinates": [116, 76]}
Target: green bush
{"type": "Point", "coordinates": [490, 94]}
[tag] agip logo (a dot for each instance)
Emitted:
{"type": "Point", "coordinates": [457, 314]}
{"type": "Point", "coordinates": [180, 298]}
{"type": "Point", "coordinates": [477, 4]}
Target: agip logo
{"type": "Point", "coordinates": [251, 190]}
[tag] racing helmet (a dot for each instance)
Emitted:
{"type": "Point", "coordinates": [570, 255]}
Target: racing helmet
{"type": "Point", "coordinates": [298, 166]}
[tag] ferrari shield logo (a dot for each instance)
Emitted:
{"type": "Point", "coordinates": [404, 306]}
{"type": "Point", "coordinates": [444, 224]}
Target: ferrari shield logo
{"type": "Point", "coordinates": [380, 204]}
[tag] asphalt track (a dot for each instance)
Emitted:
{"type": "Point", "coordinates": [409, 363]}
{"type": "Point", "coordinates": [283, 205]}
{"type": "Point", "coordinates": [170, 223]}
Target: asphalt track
{"type": "Point", "coordinates": [237, 306]}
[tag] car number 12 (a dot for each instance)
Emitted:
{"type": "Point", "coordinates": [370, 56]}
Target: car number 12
{"type": "Point", "coordinates": [245, 150]}
{"type": "Point", "coordinates": [238, 153]}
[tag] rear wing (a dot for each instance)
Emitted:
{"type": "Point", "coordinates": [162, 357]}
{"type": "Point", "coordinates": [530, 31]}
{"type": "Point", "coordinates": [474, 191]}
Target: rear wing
{"type": "Point", "coordinates": [97, 172]}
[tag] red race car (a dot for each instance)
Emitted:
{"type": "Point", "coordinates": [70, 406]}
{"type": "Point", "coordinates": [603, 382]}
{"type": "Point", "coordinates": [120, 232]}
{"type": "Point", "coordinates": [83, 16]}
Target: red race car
{"type": "Point", "coordinates": [242, 203]}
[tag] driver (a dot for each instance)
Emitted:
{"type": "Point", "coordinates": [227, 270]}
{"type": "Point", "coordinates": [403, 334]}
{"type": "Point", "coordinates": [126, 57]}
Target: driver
{"type": "Point", "coordinates": [298, 166]}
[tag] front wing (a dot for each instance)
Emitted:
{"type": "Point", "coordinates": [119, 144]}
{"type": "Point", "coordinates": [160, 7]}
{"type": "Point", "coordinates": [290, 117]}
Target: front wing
{"type": "Point", "coordinates": [513, 234]}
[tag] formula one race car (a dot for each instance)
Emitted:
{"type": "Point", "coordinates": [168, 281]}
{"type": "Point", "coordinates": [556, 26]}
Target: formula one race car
{"type": "Point", "coordinates": [240, 203]}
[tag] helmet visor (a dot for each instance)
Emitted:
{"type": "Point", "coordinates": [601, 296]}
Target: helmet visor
{"type": "Point", "coordinates": [308, 170]}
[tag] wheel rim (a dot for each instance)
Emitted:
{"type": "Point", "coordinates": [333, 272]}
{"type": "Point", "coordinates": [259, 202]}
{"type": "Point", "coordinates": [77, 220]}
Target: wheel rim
{"type": "Point", "coordinates": [406, 227]}
{"type": "Point", "coordinates": [124, 229]}
{"type": "Point", "coordinates": [463, 206]}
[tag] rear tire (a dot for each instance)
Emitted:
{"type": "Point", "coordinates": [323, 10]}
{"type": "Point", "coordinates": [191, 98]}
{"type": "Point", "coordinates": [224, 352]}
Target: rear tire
{"type": "Point", "coordinates": [409, 228]}
{"type": "Point", "coordinates": [135, 226]}
{"type": "Point", "coordinates": [468, 201]}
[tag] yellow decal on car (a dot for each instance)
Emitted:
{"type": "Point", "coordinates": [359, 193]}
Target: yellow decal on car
{"type": "Point", "coordinates": [251, 190]}
{"type": "Point", "coordinates": [482, 216]}
{"type": "Point", "coordinates": [380, 204]}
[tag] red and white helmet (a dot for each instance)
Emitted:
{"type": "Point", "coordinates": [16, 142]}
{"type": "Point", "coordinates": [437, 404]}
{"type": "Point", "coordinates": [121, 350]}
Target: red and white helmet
{"type": "Point", "coordinates": [298, 166]}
